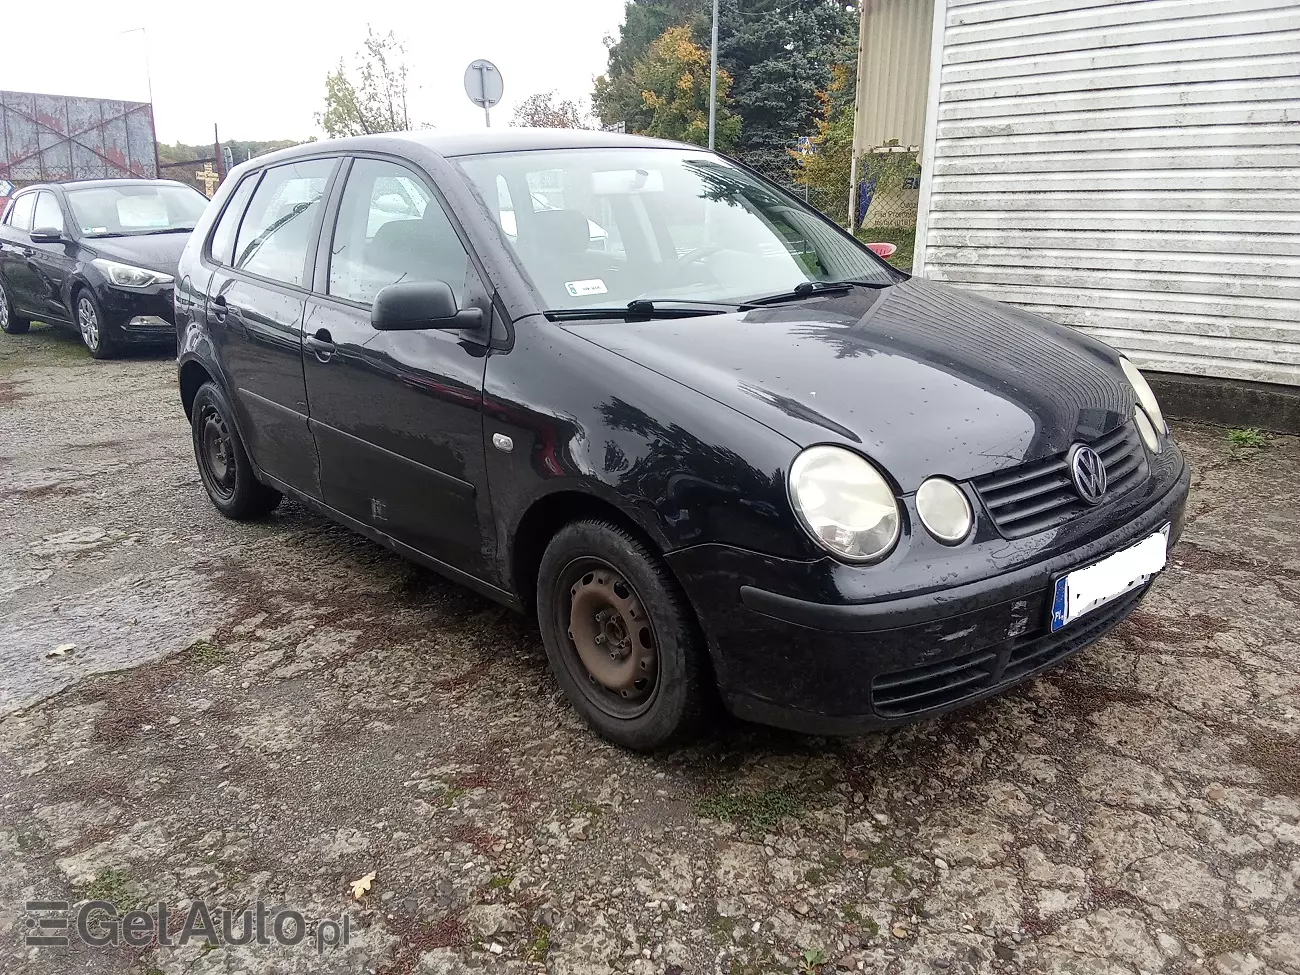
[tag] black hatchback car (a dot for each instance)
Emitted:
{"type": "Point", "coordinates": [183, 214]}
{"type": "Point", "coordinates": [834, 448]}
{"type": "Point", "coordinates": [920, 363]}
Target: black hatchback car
{"type": "Point", "coordinates": [719, 446]}
{"type": "Point", "coordinates": [96, 255]}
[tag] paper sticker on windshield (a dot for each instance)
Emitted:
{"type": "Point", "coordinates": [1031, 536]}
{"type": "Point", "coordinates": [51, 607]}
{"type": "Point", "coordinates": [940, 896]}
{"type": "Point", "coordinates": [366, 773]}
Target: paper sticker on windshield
{"type": "Point", "coordinates": [578, 289]}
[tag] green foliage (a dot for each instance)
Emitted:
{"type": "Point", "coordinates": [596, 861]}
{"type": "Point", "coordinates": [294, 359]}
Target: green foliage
{"type": "Point", "coordinates": [811, 960]}
{"type": "Point", "coordinates": [758, 811]}
{"type": "Point", "coordinates": [825, 166]}
{"type": "Point", "coordinates": [673, 78]}
{"type": "Point", "coordinates": [616, 96]}
{"type": "Point", "coordinates": [376, 100]}
{"type": "Point", "coordinates": [1247, 437]}
{"type": "Point", "coordinates": [780, 53]}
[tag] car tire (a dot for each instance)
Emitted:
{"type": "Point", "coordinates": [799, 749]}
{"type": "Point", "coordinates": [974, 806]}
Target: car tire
{"type": "Point", "coordinates": [647, 683]}
{"type": "Point", "coordinates": [224, 467]}
{"type": "Point", "coordinates": [10, 323]}
{"type": "Point", "coordinates": [95, 332]}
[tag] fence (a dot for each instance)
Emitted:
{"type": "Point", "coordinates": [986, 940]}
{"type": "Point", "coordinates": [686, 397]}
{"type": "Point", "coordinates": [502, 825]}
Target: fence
{"type": "Point", "coordinates": [889, 180]}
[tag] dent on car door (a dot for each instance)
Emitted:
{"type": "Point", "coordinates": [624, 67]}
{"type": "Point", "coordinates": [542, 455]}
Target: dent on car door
{"type": "Point", "coordinates": [254, 310]}
{"type": "Point", "coordinates": [397, 414]}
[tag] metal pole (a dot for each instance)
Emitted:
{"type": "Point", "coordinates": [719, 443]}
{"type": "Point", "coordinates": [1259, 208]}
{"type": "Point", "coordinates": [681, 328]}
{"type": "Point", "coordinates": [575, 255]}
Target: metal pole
{"type": "Point", "coordinates": [713, 78]}
{"type": "Point", "coordinates": [858, 119]}
{"type": "Point", "coordinates": [487, 116]}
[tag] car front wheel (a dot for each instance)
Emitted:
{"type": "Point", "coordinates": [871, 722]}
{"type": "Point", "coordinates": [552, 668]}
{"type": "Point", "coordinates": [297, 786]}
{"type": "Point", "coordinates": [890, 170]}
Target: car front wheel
{"type": "Point", "coordinates": [224, 466]}
{"type": "Point", "coordinates": [620, 636]}
{"type": "Point", "coordinates": [10, 323]}
{"type": "Point", "coordinates": [94, 330]}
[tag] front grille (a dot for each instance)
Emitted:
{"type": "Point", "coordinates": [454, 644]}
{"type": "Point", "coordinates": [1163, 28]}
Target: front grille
{"type": "Point", "coordinates": [1040, 495]}
{"type": "Point", "coordinates": [907, 693]}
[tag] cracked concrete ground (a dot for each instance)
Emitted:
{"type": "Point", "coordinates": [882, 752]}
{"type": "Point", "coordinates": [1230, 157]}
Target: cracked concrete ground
{"type": "Point", "coordinates": [272, 711]}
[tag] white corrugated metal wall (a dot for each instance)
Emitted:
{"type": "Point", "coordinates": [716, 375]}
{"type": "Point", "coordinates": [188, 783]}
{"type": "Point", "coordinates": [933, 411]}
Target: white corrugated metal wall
{"type": "Point", "coordinates": [893, 72]}
{"type": "Point", "coordinates": [1132, 168]}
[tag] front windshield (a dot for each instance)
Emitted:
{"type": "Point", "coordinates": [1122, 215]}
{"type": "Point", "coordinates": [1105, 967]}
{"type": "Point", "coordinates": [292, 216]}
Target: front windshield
{"type": "Point", "coordinates": [602, 227]}
{"type": "Point", "coordinates": [135, 208]}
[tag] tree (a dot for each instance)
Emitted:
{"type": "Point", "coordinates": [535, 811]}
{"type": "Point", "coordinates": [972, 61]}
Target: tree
{"type": "Point", "coordinates": [616, 97]}
{"type": "Point", "coordinates": [673, 77]}
{"type": "Point", "coordinates": [781, 52]}
{"type": "Point", "coordinates": [376, 100]}
{"type": "Point", "coordinates": [544, 111]}
{"type": "Point", "coordinates": [825, 166]}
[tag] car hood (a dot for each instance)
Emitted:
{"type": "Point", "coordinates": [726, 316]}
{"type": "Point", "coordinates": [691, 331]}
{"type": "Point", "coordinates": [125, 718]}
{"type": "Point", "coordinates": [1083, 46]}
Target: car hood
{"type": "Point", "coordinates": [922, 378]}
{"type": "Point", "coordinates": [156, 252]}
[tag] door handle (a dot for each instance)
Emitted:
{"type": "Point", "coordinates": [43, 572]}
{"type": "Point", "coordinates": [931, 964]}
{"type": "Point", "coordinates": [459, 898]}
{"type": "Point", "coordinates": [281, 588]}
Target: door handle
{"type": "Point", "coordinates": [322, 344]}
{"type": "Point", "coordinates": [220, 308]}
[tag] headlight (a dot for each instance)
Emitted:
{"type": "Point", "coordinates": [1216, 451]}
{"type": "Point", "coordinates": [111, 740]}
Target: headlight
{"type": "Point", "coordinates": [944, 510]}
{"type": "Point", "coordinates": [1146, 429]}
{"type": "Point", "coordinates": [126, 276]}
{"type": "Point", "coordinates": [844, 503]}
{"type": "Point", "coordinates": [1145, 396]}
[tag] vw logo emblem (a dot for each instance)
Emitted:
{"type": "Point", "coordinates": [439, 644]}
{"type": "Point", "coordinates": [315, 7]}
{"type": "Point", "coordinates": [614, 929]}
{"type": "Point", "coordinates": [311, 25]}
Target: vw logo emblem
{"type": "Point", "coordinates": [1087, 472]}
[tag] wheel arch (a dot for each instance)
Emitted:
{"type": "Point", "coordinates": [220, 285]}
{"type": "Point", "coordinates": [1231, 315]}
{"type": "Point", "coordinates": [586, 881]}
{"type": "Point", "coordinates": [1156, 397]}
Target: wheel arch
{"type": "Point", "coordinates": [546, 516]}
{"type": "Point", "coordinates": [192, 375]}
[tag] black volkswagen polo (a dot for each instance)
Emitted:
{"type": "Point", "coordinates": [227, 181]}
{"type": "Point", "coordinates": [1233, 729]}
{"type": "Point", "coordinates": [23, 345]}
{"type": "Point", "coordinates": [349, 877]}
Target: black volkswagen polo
{"type": "Point", "coordinates": [716, 445]}
{"type": "Point", "coordinates": [96, 255]}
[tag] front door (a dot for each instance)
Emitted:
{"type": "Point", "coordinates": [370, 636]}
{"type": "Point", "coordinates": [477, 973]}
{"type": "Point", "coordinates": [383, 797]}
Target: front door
{"type": "Point", "coordinates": [397, 416]}
{"type": "Point", "coordinates": [51, 263]}
{"type": "Point", "coordinates": [261, 251]}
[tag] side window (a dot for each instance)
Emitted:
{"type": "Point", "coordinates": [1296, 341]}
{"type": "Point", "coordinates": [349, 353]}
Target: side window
{"type": "Point", "coordinates": [391, 228]}
{"type": "Point", "coordinates": [223, 237]}
{"type": "Point", "coordinates": [276, 232]}
{"type": "Point", "coordinates": [48, 214]}
{"type": "Point", "coordinates": [21, 218]}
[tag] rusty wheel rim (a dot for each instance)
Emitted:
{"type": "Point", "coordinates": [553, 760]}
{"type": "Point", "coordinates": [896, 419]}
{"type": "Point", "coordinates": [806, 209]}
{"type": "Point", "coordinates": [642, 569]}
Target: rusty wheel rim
{"type": "Point", "coordinates": [614, 653]}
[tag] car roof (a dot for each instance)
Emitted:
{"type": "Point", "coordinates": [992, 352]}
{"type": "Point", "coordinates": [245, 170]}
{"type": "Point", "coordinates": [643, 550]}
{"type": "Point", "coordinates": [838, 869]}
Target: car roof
{"type": "Point", "coordinates": [450, 144]}
{"type": "Point", "coordinates": [83, 184]}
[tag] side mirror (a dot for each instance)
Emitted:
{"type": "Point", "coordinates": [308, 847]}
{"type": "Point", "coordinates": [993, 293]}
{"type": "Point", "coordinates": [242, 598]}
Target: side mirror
{"type": "Point", "coordinates": [413, 305]}
{"type": "Point", "coordinates": [46, 235]}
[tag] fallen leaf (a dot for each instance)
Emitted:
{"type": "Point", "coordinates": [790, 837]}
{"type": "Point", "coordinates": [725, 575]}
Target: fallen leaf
{"type": "Point", "coordinates": [899, 931]}
{"type": "Point", "coordinates": [1215, 792]}
{"type": "Point", "coordinates": [62, 649]}
{"type": "Point", "coordinates": [362, 887]}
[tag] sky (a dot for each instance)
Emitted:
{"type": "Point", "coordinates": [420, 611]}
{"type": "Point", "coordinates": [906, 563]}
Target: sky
{"type": "Point", "coordinates": [258, 69]}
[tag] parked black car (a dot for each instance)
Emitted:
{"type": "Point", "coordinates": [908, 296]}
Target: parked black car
{"type": "Point", "coordinates": [98, 255]}
{"type": "Point", "coordinates": [731, 448]}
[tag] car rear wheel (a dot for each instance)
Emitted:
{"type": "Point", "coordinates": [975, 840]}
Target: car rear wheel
{"type": "Point", "coordinates": [223, 463]}
{"type": "Point", "coordinates": [620, 636]}
{"type": "Point", "coordinates": [10, 323]}
{"type": "Point", "coordinates": [94, 330]}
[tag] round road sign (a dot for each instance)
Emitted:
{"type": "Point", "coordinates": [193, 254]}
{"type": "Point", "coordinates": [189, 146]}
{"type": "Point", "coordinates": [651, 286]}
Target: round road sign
{"type": "Point", "coordinates": [483, 83]}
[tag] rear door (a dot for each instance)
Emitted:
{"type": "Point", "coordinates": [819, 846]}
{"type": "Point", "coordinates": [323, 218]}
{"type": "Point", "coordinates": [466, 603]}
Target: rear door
{"type": "Point", "coordinates": [51, 263]}
{"type": "Point", "coordinates": [397, 416]}
{"type": "Point", "coordinates": [15, 255]}
{"type": "Point", "coordinates": [261, 254]}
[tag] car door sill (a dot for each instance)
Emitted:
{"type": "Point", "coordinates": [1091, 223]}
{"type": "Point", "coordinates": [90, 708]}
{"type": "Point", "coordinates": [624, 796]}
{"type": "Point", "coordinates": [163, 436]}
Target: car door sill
{"type": "Point", "coordinates": [494, 593]}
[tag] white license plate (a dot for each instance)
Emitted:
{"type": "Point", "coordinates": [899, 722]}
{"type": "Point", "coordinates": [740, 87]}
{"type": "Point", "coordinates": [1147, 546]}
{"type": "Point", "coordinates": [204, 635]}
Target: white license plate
{"type": "Point", "coordinates": [1083, 590]}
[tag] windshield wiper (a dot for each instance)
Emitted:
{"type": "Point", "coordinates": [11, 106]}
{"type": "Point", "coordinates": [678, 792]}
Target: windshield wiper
{"type": "Point", "coordinates": [643, 308]}
{"type": "Point", "coordinates": [810, 289]}
{"type": "Point", "coordinates": [163, 230]}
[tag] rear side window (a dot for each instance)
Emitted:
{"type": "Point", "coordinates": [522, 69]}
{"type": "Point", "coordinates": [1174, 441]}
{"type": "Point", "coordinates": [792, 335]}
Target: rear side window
{"type": "Point", "coordinates": [223, 238]}
{"type": "Point", "coordinates": [48, 215]}
{"type": "Point", "coordinates": [276, 231]}
{"type": "Point", "coordinates": [21, 217]}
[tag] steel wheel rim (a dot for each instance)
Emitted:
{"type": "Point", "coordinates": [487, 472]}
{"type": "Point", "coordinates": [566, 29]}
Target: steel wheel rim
{"type": "Point", "coordinates": [4, 309]}
{"type": "Point", "coordinates": [216, 453]}
{"type": "Point", "coordinates": [610, 645]}
{"type": "Point", "coordinates": [88, 321]}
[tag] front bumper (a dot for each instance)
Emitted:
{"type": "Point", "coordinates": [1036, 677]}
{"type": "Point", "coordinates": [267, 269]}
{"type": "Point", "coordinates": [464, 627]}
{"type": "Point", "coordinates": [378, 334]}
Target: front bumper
{"type": "Point", "coordinates": [789, 653]}
{"type": "Point", "coordinates": [140, 317]}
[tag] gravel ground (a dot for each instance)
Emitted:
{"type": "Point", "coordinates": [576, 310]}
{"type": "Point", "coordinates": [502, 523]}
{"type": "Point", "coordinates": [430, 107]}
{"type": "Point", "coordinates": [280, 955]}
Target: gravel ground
{"type": "Point", "coordinates": [273, 711]}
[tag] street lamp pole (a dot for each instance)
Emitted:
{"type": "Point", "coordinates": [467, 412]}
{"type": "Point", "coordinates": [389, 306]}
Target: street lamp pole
{"type": "Point", "coordinates": [713, 79]}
